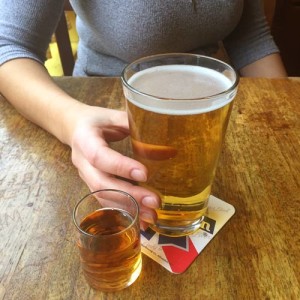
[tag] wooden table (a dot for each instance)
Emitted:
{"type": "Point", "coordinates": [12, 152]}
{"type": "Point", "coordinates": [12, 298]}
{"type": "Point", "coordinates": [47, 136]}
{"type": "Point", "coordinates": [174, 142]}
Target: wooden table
{"type": "Point", "coordinates": [255, 256]}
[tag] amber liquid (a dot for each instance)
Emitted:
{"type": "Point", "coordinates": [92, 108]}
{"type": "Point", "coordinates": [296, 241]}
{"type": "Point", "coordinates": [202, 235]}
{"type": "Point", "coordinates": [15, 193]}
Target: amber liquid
{"type": "Point", "coordinates": [181, 150]}
{"type": "Point", "coordinates": [111, 253]}
{"type": "Point", "coordinates": [181, 162]}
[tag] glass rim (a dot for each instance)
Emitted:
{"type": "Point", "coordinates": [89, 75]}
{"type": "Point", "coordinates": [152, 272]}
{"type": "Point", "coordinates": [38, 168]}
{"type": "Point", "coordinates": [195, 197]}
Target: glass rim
{"type": "Point", "coordinates": [232, 87]}
{"type": "Point", "coordinates": [134, 220]}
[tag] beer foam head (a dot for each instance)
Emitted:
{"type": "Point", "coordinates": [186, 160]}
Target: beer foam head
{"type": "Point", "coordinates": [179, 89]}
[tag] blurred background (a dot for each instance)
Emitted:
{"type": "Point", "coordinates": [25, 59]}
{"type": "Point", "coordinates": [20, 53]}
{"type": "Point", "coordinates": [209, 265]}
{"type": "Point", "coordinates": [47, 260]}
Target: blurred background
{"type": "Point", "coordinates": [53, 63]}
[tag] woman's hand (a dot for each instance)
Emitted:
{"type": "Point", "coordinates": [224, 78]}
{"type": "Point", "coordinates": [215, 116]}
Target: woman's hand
{"type": "Point", "coordinates": [100, 166]}
{"type": "Point", "coordinates": [87, 129]}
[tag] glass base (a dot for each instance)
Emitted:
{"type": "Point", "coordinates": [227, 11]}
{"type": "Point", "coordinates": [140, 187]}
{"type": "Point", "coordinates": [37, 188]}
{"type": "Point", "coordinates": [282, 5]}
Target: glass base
{"type": "Point", "coordinates": [117, 286]}
{"type": "Point", "coordinates": [177, 231]}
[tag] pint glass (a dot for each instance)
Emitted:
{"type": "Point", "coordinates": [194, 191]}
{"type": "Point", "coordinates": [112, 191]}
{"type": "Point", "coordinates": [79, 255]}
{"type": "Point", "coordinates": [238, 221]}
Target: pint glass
{"type": "Point", "coordinates": [178, 107]}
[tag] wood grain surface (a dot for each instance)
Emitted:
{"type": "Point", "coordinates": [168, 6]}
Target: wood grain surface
{"type": "Point", "coordinates": [255, 256]}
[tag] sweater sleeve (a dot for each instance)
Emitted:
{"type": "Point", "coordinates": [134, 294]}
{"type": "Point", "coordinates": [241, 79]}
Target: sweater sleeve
{"type": "Point", "coordinates": [26, 27]}
{"type": "Point", "coordinates": [251, 40]}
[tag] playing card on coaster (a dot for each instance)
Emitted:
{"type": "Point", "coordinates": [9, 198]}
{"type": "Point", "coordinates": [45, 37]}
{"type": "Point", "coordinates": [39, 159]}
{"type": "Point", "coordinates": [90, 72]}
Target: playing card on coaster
{"type": "Point", "coordinates": [177, 253]}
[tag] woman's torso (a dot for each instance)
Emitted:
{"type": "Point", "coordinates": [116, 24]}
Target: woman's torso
{"type": "Point", "coordinates": [124, 30]}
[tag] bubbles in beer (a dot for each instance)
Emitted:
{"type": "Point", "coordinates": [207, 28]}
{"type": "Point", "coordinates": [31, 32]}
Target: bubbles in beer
{"type": "Point", "coordinates": [178, 116]}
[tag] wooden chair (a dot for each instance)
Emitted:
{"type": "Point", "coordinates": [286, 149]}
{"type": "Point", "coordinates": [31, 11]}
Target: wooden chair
{"type": "Point", "coordinates": [286, 32]}
{"type": "Point", "coordinates": [269, 7]}
{"type": "Point", "coordinates": [64, 43]}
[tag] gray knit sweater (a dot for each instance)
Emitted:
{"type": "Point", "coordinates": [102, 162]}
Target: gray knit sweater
{"type": "Point", "coordinates": [115, 32]}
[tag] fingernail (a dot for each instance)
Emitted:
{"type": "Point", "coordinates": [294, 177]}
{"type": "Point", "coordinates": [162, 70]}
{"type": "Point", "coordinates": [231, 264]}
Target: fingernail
{"type": "Point", "coordinates": [147, 218]}
{"type": "Point", "coordinates": [150, 202]}
{"type": "Point", "coordinates": [138, 175]}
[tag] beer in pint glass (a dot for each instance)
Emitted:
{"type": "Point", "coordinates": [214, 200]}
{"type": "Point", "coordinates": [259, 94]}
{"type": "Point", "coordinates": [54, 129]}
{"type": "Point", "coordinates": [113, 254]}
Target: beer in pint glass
{"type": "Point", "coordinates": [178, 108]}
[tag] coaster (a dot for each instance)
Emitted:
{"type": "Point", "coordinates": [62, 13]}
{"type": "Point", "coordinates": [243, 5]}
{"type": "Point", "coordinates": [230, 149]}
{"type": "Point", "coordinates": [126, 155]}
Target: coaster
{"type": "Point", "coordinates": [176, 254]}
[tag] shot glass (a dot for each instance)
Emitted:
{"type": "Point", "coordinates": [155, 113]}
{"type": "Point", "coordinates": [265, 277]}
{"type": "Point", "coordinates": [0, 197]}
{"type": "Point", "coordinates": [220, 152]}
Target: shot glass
{"type": "Point", "coordinates": [108, 239]}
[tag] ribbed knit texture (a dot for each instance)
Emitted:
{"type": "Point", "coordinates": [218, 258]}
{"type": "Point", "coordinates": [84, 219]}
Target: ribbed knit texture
{"type": "Point", "coordinates": [115, 32]}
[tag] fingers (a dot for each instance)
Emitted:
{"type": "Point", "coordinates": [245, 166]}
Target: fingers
{"type": "Point", "coordinates": [112, 162]}
{"type": "Point", "coordinates": [114, 125]}
{"type": "Point", "coordinates": [89, 144]}
{"type": "Point", "coordinates": [148, 201]}
{"type": "Point", "coordinates": [100, 166]}
{"type": "Point", "coordinates": [144, 225]}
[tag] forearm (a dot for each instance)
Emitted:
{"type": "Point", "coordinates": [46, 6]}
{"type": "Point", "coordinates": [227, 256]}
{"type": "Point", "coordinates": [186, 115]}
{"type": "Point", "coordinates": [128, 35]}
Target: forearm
{"type": "Point", "coordinates": [27, 85]}
{"type": "Point", "coordinates": [269, 66]}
